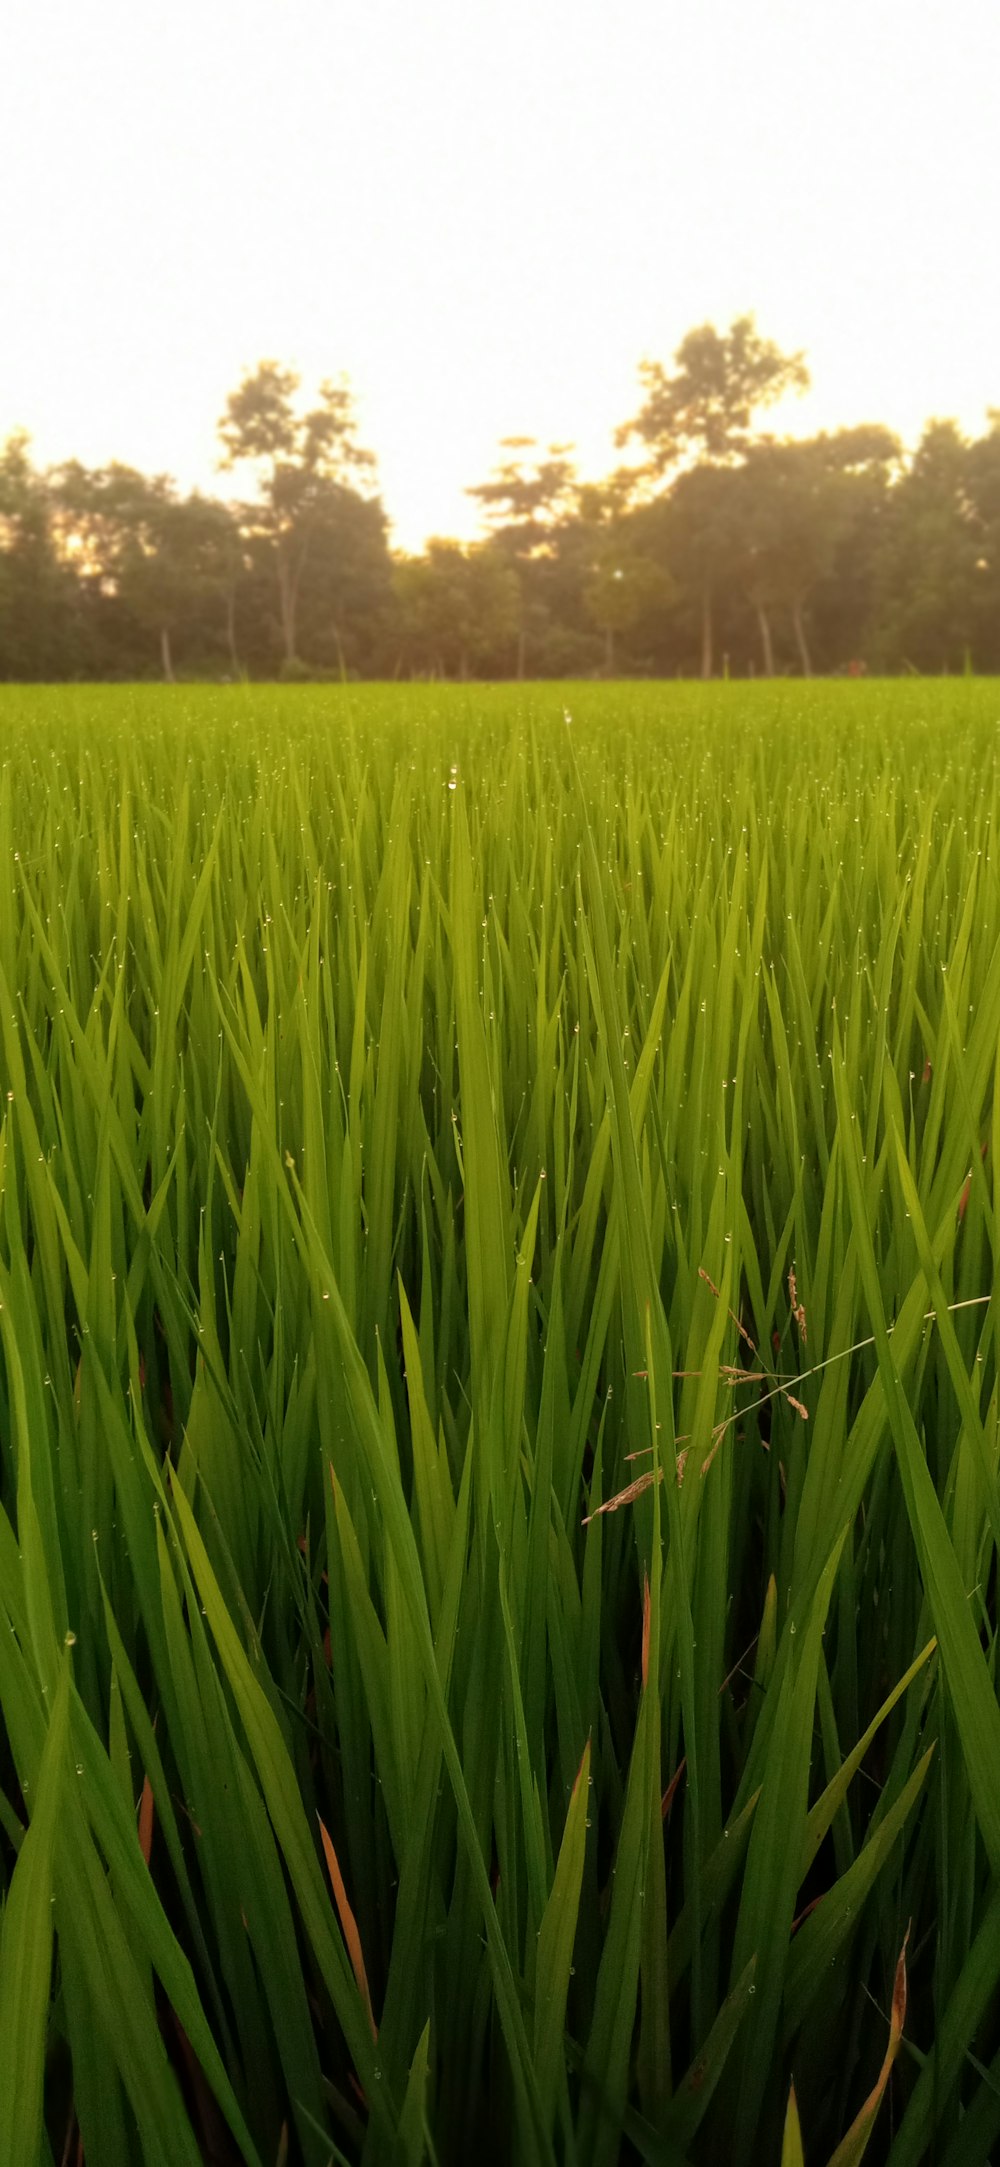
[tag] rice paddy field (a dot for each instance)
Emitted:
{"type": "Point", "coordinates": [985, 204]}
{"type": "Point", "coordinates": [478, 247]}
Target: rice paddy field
{"type": "Point", "coordinates": [499, 1426]}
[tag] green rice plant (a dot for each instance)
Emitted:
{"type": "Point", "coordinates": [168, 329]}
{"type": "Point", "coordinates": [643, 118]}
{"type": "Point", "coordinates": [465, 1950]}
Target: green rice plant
{"type": "Point", "coordinates": [499, 1492]}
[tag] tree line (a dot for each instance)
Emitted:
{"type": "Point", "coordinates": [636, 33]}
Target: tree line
{"type": "Point", "coordinates": [716, 547]}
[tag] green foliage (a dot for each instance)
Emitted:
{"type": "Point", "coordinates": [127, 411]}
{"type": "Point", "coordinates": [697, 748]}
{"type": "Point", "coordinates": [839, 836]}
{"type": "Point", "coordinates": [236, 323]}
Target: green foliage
{"type": "Point", "coordinates": [723, 550]}
{"type": "Point", "coordinates": [459, 610]}
{"type": "Point", "coordinates": [305, 467]}
{"type": "Point", "coordinates": [499, 1426]}
{"type": "Point", "coordinates": [720, 382]}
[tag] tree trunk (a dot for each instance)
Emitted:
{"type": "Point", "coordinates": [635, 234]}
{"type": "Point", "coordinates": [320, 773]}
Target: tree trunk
{"type": "Point", "coordinates": [800, 639]}
{"type": "Point", "coordinates": [609, 650]}
{"type": "Point", "coordinates": [765, 638]}
{"type": "Point", "coordinates": [289, 578]}
{"type": "Point", "coordinates": [168, 667]}
{"type": "Point", "coordinates": [231, 627]}
{"type": "Point", "coordinates": [706, 631]}
{"type": "Point", "coordinates": [522, 642]}
{"type": "Point", "coordinates": [286, 597]}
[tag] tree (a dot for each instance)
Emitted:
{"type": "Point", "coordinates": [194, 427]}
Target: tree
{"type": "Point", "coordinates": [618, 594]}
{"type": "Point", "coordinates": [459, 608]}
{"type": "Point", "coordinates": [983, 483]}
{"type": "Point", "coordinates": [345, 595]}
{"type": "Point", "coordinates": [107, 522]}
{"type": "Point", "coordinates": [35, 596]}
{"type": "Point", "coordinates": [706, 408]}
{"type": "Point", "coordinates": [704, 413]}
{"type": "Point", "coordinates": [298, 459]}
{"type": "Point", "coordinates": [523, 501]}
{"type": "Point", "coordinates": [809, 552]}
{"type": "Point", "coordinates": [620, 584]}
{"type": "Point", "coordinates": [148, 564]}
{"type": "Point", "coordinates": [794, 502]}
{"type": "Point", "coordinates": [924, 600]}
{"type": "Point", "coordinates": [190, 582]}
{"type": "Point", "coordinates": [692, 532]}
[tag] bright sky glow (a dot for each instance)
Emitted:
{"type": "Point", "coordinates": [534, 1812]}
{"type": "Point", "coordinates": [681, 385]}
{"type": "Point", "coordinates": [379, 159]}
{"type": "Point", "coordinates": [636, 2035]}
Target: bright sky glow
{"type": "Point", "coordinates": [486, 212]}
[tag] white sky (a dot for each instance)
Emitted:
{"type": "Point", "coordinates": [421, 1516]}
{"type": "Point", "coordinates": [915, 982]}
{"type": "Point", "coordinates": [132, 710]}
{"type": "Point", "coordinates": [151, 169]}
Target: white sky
{"type": "Point", "coordinates": [486, 212]}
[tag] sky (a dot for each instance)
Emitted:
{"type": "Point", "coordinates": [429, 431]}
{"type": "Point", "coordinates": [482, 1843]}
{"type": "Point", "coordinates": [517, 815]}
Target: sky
{"type": "Point", "coordinates": [486, 214]}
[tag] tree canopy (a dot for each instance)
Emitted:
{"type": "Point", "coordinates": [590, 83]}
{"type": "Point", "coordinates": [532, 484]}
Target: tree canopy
{"type": "Point", "coordinates": [716, 545]}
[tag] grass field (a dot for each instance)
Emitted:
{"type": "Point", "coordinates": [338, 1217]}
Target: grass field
{"type": "Point", "coordinates": [492, 1667]}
